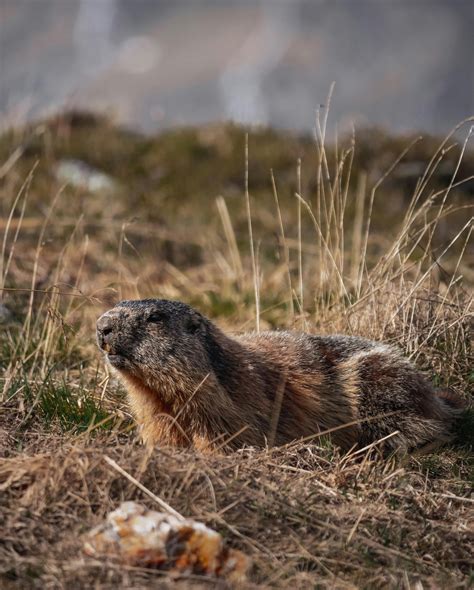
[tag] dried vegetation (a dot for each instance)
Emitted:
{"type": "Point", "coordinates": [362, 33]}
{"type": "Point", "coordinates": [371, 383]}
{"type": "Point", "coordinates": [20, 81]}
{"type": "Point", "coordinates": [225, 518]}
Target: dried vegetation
{"type": "Point", "coordinates": [372, 237]}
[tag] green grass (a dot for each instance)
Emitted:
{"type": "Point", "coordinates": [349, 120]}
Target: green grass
{"type": "Point", "coordinates": [58, 404]}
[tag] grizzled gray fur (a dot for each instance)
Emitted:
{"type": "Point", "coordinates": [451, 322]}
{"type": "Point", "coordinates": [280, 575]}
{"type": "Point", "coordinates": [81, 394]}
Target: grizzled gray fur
{"type": "Point", "coordinates": [190, 384]}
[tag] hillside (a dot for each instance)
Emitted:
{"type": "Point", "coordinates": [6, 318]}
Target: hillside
{"type": "Point", "coordinates": [369, 236]}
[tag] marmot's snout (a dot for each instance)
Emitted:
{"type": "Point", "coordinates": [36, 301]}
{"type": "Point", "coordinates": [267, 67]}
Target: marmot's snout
{"type": "Point", "coordinates": [112, 339]}
{"type": "Point", "coordinates": [108, 332]}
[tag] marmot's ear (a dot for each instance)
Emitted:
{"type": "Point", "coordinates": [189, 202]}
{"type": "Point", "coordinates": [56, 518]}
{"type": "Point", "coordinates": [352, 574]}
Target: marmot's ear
{"type": "Point", "coordinates": [194, 323]}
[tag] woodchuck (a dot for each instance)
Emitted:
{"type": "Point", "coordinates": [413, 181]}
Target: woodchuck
{"type": "Point", "coordinates": [190, 384]}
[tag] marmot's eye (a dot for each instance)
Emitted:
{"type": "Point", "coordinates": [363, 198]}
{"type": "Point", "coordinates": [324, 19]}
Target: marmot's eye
{"type": "Point", "coordinates": [156, 317]}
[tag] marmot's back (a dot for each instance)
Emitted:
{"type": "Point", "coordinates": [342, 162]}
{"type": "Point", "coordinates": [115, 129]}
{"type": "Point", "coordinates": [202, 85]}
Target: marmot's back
{"type": "Point", "coordinates": [189, 383]}
{"type": "Point", "coordinates": [355, 379]}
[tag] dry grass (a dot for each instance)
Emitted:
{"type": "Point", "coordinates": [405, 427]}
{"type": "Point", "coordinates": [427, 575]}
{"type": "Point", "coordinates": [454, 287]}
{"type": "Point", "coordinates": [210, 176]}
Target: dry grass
{"type": "Point", "coordinates": [328, 252]}
{"type": "Point", "coordinates": [305, 515]}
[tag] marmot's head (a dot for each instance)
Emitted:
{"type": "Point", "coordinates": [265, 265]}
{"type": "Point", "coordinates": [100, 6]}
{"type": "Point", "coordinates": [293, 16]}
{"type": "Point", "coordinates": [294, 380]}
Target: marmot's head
{"type": "Point", "coordinates": [156, 341]}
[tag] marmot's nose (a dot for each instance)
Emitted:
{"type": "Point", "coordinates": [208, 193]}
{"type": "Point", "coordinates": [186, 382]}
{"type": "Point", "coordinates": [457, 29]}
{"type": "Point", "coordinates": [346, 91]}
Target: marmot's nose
{"type": "Point", "coordinates": [105, 331]}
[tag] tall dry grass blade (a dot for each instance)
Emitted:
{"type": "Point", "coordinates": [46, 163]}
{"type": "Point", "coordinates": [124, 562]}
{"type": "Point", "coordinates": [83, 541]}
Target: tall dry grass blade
{"type": "Point", "coordinates": [300, 241]}
{"type": "Point", "coordinates": [229, 232]}
{"type": "Point", "coordinates": [322, 129]}
{"type": "Point", "coordinates": [286, 249]}
{"type": "Point", "coordinates": [343, 198]}
{"type": "Point", "coordinates": [252, 249]}
{"type": "Point", "coordinates": [357, 230]}
{"type": "Point", "coordinates": [322, 177]}
{"type": "Point", "coordinates": [11, 161]}
{"type": "Point", "coordinates": [164, 505]}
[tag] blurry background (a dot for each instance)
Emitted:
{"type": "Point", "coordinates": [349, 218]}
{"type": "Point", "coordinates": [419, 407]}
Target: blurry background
{"type": "Point", "coordinates": [403, 64]}
{"type": "Point", "coordinates": [121, 177]}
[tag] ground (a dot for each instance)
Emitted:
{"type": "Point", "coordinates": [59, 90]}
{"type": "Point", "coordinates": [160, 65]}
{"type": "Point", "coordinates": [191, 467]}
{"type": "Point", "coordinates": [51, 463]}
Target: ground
{"type": "Point", "coordinates": [357, 239]}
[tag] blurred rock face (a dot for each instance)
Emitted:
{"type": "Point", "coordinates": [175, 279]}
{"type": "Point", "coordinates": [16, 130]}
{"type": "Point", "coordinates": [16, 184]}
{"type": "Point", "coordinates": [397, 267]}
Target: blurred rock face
{"type": "Point", "coordinates": [405, 65]}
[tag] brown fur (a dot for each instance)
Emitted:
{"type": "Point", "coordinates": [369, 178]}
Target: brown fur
{"type": "Point", "coordinates": [192, 385]}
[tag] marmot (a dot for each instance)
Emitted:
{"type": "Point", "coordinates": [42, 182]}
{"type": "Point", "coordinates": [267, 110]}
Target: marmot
{"type": "Point", "coordinates": [190, 384]}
